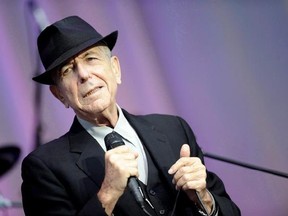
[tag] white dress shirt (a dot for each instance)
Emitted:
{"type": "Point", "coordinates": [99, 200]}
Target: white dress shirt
{"type": "Point", "coordinates": [129, 136]}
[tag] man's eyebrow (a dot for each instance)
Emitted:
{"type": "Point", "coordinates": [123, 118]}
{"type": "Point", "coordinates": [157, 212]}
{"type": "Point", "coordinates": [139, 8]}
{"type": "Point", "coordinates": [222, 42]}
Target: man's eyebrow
{"type": "Point", "coordinates": [83, 55]}
{"type": "Point", "coordinates": [89, 52]}
{"type": "Point", "coordinates": [67, 63]}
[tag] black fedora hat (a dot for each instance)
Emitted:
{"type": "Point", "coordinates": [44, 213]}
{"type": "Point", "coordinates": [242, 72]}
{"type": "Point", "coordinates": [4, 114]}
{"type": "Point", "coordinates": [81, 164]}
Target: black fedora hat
{"type": "Point", "coordinates": [64, 39]}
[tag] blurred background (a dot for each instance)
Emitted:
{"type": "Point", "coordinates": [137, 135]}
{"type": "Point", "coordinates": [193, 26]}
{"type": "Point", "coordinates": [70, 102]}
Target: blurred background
{"type": "Point", "coordinates": [221, 65]}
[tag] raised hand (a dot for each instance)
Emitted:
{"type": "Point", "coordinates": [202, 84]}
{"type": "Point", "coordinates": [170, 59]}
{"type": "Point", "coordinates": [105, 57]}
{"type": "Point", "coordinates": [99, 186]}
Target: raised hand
{"type": "Point", "coordinates": [189, 175]}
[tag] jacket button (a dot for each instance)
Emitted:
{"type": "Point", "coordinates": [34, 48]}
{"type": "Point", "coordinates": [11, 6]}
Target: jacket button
{"type": "Point", "coordinates": [162, 212]}
{"type": "Point", "coordinates": [152, 192]}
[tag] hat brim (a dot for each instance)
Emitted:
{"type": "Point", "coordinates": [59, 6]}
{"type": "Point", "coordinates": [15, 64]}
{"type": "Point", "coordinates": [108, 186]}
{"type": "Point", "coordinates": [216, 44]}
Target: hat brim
{"type": "Point", "coordinates": [46, 77]}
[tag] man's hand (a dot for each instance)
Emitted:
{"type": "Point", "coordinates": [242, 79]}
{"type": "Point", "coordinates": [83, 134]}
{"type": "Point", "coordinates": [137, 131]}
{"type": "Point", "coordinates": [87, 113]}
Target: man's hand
{"type": "Point", "coordinates": [120, 164]}
{"type": "Point", "coordinates": [190, 175]}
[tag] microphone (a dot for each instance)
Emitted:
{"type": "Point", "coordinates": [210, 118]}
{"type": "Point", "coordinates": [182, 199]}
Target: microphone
{"type": "Point", "coordinates": [113, 140]}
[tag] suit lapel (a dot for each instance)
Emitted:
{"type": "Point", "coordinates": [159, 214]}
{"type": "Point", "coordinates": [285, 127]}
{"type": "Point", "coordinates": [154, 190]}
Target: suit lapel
{"type": "Point", "coordinates": [91, 160]}
{"type": "Point", "coordinates": [156, 143]}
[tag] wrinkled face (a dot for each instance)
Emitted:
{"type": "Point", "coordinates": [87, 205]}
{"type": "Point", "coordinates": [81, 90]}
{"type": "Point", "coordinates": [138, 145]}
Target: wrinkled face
{"type": "Point", "coordinates": [88, 82]}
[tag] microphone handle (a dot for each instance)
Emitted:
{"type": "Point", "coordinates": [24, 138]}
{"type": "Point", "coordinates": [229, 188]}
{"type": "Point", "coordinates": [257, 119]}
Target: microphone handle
{"type": "Point", "coordinates": [136, 190]}
{"type": "Point", "coordinates": [113, 140]}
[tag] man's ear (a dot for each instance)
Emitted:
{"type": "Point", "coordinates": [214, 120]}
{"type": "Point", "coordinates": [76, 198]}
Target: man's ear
{"type": "Point", "coordinates": [115, 64]}
{"type": "Point", "coordinates": [56, 92]}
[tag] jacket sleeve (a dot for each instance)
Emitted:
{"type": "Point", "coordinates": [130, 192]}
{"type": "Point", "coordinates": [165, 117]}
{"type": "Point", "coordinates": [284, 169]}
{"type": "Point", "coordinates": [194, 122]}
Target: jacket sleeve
{"type": "Point", "coordinates": [44, 194]}
{"type": "Point", "coordinates": [214, 184]}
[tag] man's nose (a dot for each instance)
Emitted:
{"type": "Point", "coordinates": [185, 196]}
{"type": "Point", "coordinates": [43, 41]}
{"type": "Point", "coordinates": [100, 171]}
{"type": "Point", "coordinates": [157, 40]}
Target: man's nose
{"type": "Point", "coordinates": [83, 73]}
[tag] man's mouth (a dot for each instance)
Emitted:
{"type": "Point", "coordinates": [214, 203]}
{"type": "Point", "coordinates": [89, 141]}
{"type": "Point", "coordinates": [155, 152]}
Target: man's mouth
{"type": "Point", "coordinates": [92, 91]}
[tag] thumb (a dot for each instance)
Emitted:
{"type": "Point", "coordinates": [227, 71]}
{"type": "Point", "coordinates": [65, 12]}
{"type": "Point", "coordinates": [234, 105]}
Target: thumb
{"type": "Point", "coordinates": [185, 151]}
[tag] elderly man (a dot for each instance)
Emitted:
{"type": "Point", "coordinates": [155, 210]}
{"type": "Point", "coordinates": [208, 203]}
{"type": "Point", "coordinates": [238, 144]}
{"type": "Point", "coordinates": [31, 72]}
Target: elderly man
{"type": "Point", "coordinates": [77, 175]}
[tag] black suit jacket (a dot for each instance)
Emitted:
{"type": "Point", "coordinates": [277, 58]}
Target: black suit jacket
{"type": "Point", "coordinates": [63, 176]}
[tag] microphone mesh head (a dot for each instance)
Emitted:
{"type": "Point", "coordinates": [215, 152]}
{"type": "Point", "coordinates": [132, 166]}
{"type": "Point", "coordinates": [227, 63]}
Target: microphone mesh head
{"type": "Point", "coordinates": [113, 140]}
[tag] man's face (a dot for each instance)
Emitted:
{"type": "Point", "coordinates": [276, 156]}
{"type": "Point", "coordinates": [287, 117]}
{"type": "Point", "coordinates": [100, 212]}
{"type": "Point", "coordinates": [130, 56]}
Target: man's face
{"type": "Point", "coordinates": [88, 83]}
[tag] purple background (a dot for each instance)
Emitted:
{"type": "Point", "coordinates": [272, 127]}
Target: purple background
{"type": "Point", "coordinates": [222, 65]}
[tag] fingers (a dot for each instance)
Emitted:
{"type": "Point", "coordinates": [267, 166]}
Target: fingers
{"type": "Point", "coordinates": [190, 177]}
{"type": "Point", "coordinates": [122, 160]}
{"type": "Point", "coordinates": [189, 172]}
{"type": "Point", "coordinates": [121, 153]}
{"type": "Point", "coordinates": [120, 149]}
{"type": "Point", "coordinates": [120, 164]}
{"type": "Point", "coordinates": [184, 160]}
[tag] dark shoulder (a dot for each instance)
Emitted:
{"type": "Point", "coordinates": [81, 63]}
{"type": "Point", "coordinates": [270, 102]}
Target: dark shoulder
{"type": "Point", "coordinates": [162, 120]}
{"type": "Point", "coordinates": [53, 148]}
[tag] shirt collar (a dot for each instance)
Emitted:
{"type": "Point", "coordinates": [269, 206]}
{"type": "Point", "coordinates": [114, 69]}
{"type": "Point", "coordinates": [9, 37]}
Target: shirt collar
{"type": "Point", "coordinates": [99, 132]}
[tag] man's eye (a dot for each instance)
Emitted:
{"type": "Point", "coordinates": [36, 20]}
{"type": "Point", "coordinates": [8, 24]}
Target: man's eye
{"type": "Point", "coordinates": [65, 71]}
{"type": "Point", "coordinates": [91, 58]}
